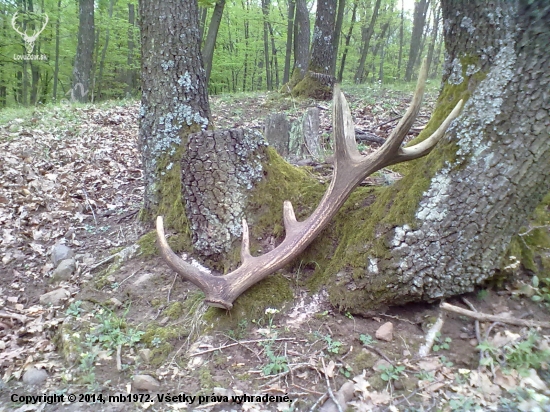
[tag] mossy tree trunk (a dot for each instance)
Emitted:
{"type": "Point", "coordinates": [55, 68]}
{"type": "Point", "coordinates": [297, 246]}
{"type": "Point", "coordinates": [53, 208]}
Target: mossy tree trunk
{"type": "Point", "coordinates": [301, 45]}
{"type": "Point", "coordinates": [319, 77]}
{"type": "Point", "coordinates": [445, 227]}
{"type": "Point", "coordinates": [84, 52]}
{"type": "Point", "coordinates": [174, 102]}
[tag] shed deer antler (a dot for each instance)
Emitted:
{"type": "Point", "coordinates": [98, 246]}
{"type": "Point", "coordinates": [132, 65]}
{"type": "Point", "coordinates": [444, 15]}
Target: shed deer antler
{"type": "Point", "coordinates": [350, 169]}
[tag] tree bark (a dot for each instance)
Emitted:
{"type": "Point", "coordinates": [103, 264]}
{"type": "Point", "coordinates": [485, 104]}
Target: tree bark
{"type": "Point", "coordinates": [104, 51]}
{"type": "Point", "coordinates": [289, 38]}
{"type": "Point", "coordinates": [319, 77]}
{"type": "Point", "coordinates": [367, 35]}
{"type": "Point", "coordinates": [337, 32]}
{"type": "Point", "coordinates": [435, 30]}
{"type": "Point", "coordinates": [419, 20]}
{"type": "Point", "coordinates": [265, 12]}
{"type": "Point", "coordinates": [174, 102]}
{"type": "Point", "coordinates": [348, 39]}
{"type": "Point", "coordinates": [301, 46]}
{"type": "Point", "coordinates": [130, 72]}
{"type": "Point", "coordinates": [210, 42]}
{"type": "Point", "coordinates": [56, 64]}
{"type": "Point", "coordinates": [84, 52]}
{"type": "Point", "coordinates": [401, 24]}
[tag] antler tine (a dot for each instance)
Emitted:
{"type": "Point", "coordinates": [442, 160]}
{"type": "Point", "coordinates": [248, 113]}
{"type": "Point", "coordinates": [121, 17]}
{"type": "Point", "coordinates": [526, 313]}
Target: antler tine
{"type": "Point", "coordinates": [345, 146]}
{"type": "Point", "coordinates": [245, 247]}
{"type": "Point", "coordinates": [13, 21]}
{"type": "Point", "coordinates": [400, 132]}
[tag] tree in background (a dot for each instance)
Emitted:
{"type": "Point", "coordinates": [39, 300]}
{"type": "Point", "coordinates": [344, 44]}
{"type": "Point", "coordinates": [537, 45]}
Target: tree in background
{"type": "Point", "coordinates": [210, 42]}
{"type": "Point", "coordinates": [82, 71]}
{"type": "Point", "coordinates": [319, 78]}
{"type": "Point", "coordinates": [419, 21]}
{"type": "Point", "coordinates": [174, 101]}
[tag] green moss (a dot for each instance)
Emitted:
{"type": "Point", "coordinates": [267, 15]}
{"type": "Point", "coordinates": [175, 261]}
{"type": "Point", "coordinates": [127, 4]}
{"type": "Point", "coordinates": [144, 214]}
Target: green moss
{"type": "Point", "coordinates": [206, 380]}
{"type": "Point", "coordinates": [147, 244]}
{"type": "Point", "coordinates": [364, 360]}
{"type": "Point", "coordinates": [532, 245]}
{"type": "Point", "coordinates": [272, 292]}
{"type": "Point", "coordinates": [175, 310]}
{"type": "Point", "coordinates": [313, 88]}
{"type": "Point", "coordinates": [179, 242]}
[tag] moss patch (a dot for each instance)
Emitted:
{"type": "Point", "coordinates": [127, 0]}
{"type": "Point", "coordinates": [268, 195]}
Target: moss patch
{"type": "Point", "coordinates": [273, 292]}
{"type": "Point", "coordinates": [532, 246]}
{"type": "Point", "coordinates": [313, 88]}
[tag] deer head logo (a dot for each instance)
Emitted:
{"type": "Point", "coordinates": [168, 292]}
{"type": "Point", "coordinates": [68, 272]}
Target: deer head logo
{"type": "Point", "coordinates": [29, 40]}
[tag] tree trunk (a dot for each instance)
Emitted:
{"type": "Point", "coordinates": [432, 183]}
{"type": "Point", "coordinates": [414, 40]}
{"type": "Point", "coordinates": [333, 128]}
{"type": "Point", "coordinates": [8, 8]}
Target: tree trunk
{"type": "Point", "coordinates": [84, 52]}
{"type": "Point", "coordinates": [367, 35]}
{"type": "Point", "coordinates": [274, 65]}
{"type": "Point", "coordinates": [104, 50]}
{"type": "Point", "coordinates": [210, 42]}
{"type": "Point", "coordinates": [348, 39]}
{"type": "Point", "coordinates": [401, 24]}
{"type": "Point", "coordinates": [419, 20]}
{"type": "Point", "coordinates": [301, 45]}
{"type": "Point", "coordinates": [435, 30]}
{"type": "Point", "coordinates": [289, 33]}
{"type": "Point", "coordinates": [174, 102]}
{"type": "Point", "coordinates": [56, 65]}
{"type": "Point", "coordinates": [337, 32]}
{"type": "Point", "coordinates": [265, 11]}
{"type": "Point", "coordinates": [319, 78]}
{"type": "Point", "coordinates": [445, 227]}
{"type": "Point", "coordinates": [130, 72]}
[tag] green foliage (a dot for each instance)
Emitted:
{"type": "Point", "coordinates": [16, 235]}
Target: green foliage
{"type": "Point", "coordinates": [441, 343]}
{"type": "Point", "coordinates": [542, 290]}
{"type": "Point", "coordinates": [391, 372]}
{"type": "Point", "coordinates": [366, 340]}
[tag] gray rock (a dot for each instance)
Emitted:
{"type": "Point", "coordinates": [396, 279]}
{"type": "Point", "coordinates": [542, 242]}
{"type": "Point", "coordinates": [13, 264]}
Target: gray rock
{"type": "Point", "coordinates": [145, 355]}
{"type": "Point", "coordinates": [35, 376]}
{"type": "Point", "coordinates": [145, 383]}
{"type": "Point", "coordinates": [343, 396]}
{"type": "Point", "coordinates": [115, 302]}
{"type": "Point", "coordinates": [55, 297]}
{"type": "Point", "coordinates": [64, 269]}
{"type": "Point", "coordinates": [61, 252]}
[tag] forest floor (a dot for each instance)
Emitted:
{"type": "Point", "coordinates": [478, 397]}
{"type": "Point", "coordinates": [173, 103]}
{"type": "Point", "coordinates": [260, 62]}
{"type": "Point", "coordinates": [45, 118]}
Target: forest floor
{"type": "Point", "coordinates": [71, 174]}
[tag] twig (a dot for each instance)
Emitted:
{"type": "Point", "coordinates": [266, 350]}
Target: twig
{"type": "Point", "coordinates": [477, 329]}
{"type": "Point", "coordinates": [238, 343]}
{"type": "Point", "coordinates": [329, 389]}
{"type": "Point", "coordinates": [319, 401]}
{"type": "Point", "coordinates": [8, 315]}
{"type": "Point", "coordinates": [107, 259]}
{"type": "Point", "coordinates": [389, 121]}
{"type": "Point", "coordinates": [118, 358]}
{"type": "Point", "coordinates": [430, 336]}
{"type": "Point", "coordinates": [170, 290]}
{"type": "Point", "coordinates": [124, 280]}
{"type": "Point", "coordinates": [126, 216]}
{"type": "Point", "coordinates": [379, 353]}
{"type": "Point", "coordinates": [484, 317]}
{"type": "Point", "coordinates": [90, 205]}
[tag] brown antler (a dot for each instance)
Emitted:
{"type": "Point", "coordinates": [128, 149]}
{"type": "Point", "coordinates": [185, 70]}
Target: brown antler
{"type": "Point", "coordinates": [350, 168]}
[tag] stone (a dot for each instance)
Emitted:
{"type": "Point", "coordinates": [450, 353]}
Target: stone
{"type": "Point", "coordinates": [343, 396]}
{"type": "Point", "coordinates": [64, 269]}
{"type": "Point", "coordinates": [385, 332]}
{"type": "Point", "coordinates": [277, 132]}
{"type": "Point", "coordinates": [34, 376]}
{"type": "Point", "coordinates": [55, 297]}
{"type": "Point", "coordinates": [145, 355]}
{"type": "Point", "coordinates": [61, 252]}
{"type": "Point", "coordinates": [115, 302]}
{"type": "Point", "coordinates": [145, 383]}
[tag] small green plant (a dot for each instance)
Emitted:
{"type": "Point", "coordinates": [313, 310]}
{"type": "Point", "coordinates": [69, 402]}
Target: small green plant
{"type": "Point", "coordinates": [391, 372]}
{"type": "Point", "coordinates": [239, 332]}
{"type": "Point", "coordinates": [441, 344]}
{"type": "Point", "coordinates": [333, 346]}
{"type": "Point", "coordinates": [156, 341]}
{"type": "Point", "coordinates": [463, 404]}
{"type": "Point", "coordinates": [349, 315]}
{"type": "Point", "coordinates": [482, 294]}
{"type": "Point", "coordinates": [446, 362]}
{"type": "Point", "coordinates": [277, 364]}
{"type": "Point", "coordinates": [74, 309]}
{"type": "Point", "coordinates": [366, 340]}
{"type": "Point", "coordinates": [426, 376]}
{"type": "Point", "coordinates": [346, 371]}
{"type": "Point", "coordinates": [542, 290]}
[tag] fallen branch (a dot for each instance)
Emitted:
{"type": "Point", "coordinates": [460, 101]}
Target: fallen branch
{"type": "Point", "coordinates": [8, 315]}
{"type": "Point", "coordinates": [238, 343]}
{"type": "Point", "coordinates": [484, 317]}
{"type": "Point", "coordinates": [431, 335]}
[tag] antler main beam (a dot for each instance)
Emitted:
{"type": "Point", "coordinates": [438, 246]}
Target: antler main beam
{"type": "Point", "coordinates": [350, 169]}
